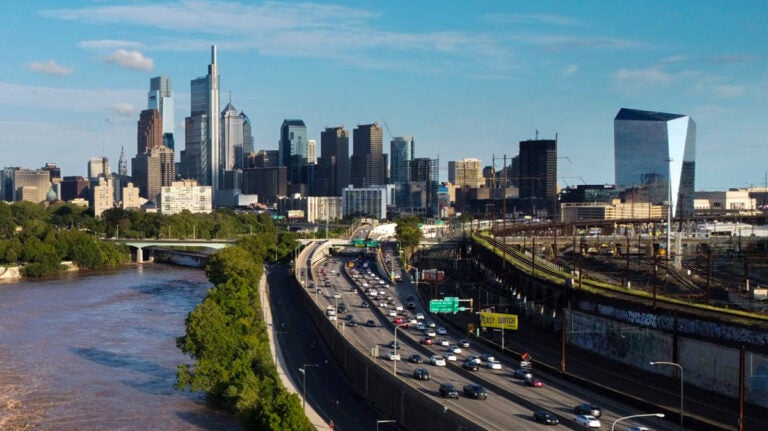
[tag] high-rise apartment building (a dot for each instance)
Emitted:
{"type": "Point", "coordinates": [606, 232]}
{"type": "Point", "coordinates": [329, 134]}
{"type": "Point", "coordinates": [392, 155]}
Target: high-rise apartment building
{"type": "Point", "coordinates": [538, 174]}
{"type": "Point", "coordinates": [102, 196]}
{"type": "Point", "coordinates": [98, 166]}
{"type": "Point", "coordinates": [333, 164]}
{"type": "Point", "coordinates": [153, 170]}
{"type": "Point", "coordinates": [294, 148]}
{"type": "Point", "coordinates": [401, 152]}
{"type": "Point", "coordinates": [368, 162]}
{"type": "Point", "coordinates": [185, 196]}
{"type": "Point", "coordinates": [160, 97]}
{"type": "Point", "coordinates": [200, 159]}
{"type": "Point", "coordinates": [656, 152]}
{"type": "Point", "coordinates": [466, 173]}
{"type": "Point", "coordinates": [150, 131]}
{"type": "Point", "coordinates": [131, 199]}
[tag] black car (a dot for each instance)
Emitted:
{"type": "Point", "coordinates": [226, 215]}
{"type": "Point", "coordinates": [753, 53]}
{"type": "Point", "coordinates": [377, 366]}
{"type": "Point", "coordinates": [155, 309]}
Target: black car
{"type": "Point", "coordinates": [473, 390]}
{"type": "Point", "coordinates": [588, 409]}
{"type": "Point", "coordinates": [416, 358]}
{"type": "Point", "coordinates": [522, 373]}
{"type": "Point", "coordinates": [411, 306]}
{"type": "Point", "coordinates": [352, 323]}
{"type": "Point", "coordinates": [545, 417]}
{"type": "Point", "coordinates": [370, 324]}
{"type": "Point", "coordinates": [364, 304]}
{"type": "Point", "coordinates": [420, 374]}
{"type": "Point", "coordinates": [470, 365]}
{"type": "Point", "coordinates": [464, 343]}
{"type": "Point", "coordinates": [342, 307]}
{"type": "Point", "coordinates": [447, 390]}
{"type": "Point", "coordinates": [410, 298]}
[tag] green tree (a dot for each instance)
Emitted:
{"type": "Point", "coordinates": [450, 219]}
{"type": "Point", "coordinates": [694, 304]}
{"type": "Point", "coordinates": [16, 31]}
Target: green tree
{"type": "Point", "coordinates": [409, 234]}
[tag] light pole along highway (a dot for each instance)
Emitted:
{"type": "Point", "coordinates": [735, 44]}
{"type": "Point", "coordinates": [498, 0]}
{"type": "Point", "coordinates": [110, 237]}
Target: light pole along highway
{"type": "Point", "coordinates": [394, 347]}
{"type": "Point", "coordinates": [304, 370]}
{"type": "Point", "coordinates": [682, 381]}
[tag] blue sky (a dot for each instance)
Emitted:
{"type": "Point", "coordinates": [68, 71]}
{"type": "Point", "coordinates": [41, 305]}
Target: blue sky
{"type": "Point", "coordinates": [466, 79]}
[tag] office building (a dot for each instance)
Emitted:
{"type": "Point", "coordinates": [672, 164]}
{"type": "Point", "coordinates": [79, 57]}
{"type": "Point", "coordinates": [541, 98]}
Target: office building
{"type": "Point", "coordinates": [368, 162]}
{"type": "Point", "coordinates": [186, 195]}
{"type": "Point", "coordinates": [294, 148]}
{"type": "Point", "coordinates": [54, 170]}
{"type": "Point", "coordinates": [200, 159]}
{"type": "Point", "coordinates": [311, 209]}
{"type": "Point", "coordinates": [153, 170]}
{"type": "Point", "coordinates": [401, 150]}
{"type": "Point", "coordinates": [248, 145]}
{"type": "Point", "coordinates": [122, 163]}
{"type": "Point", "coordinates": [75, 187]}
{"type": "Point", "coordinates": [311, 151]}
{"type": "Point", "coordinates": [368, 201]}
{"type": "Point", "coordinates": [656, 153]}
{"type": "Point", "coordinates": [231, 138]}
{"type": "Point", "coordinates": [263, 159]}
{"type": "Point", "coordinates": [267, 183]}
{"type": "Point", "coordinates": [333, 164]}
{"type": "Point", "coordinates": [466, 173]}
{"type": "Point", "coordinates": [30, 185]}
{"type": "Point", "coordinates": [150, 131]}
{"type": "Point", "coordinates": [160, 97]}
{"type": "Point", "coordinates": [538, 176]}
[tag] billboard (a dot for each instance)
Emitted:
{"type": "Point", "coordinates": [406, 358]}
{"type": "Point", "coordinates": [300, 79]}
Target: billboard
{"type": "Point", "coordinates": [498, 320]}
{"type": "Point", "coordinates": [295, 213]}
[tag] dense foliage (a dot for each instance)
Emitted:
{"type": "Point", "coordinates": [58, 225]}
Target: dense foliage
{"type": "Point", "coordinates": [408, 233]}
{"type": "Point", "coordinates": [227, 338]}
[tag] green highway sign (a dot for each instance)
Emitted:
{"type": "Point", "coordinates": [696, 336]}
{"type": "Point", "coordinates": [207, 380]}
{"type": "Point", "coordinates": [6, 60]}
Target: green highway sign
{"type": "Point", "coordinates": [446, 305]}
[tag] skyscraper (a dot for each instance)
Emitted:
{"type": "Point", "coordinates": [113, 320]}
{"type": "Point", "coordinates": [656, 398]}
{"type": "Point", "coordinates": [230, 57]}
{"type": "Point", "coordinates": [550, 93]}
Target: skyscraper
{"type": "Point", "coordinates": [538, 173]}
{"type": "Point", "coordinates": [152, 171]}
{"type": "Point", "coordinates": [293, 148]}
{"type": "Point", "coordinates": [656, 152]}
{"type": "Point", "coordinates": [200, 159]}
{"type": "Point", "coordinates": [98, 166]}
{"type": "Point", "coordinates": [333, 164]}
{"type": "Point", "coordinates": [247, 140]}
{"type": "Point", "coordinates": [160, 97]}
{"type": "Point", "coordinates": [466, 173]}
{"type": "Point", "coordinates": [150, 131]}
{"type": "Point", "coordinates": [401, 150]}
{"type": "Point", "coordinates": [368, 162]}
{"type": "Point", "coordinates": [122, 163]}
{"type": "Point", "coordinates": [231, 138]}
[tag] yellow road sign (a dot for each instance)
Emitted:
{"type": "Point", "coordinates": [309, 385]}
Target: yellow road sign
{"type": "Point", "coordinates": [498, 320]}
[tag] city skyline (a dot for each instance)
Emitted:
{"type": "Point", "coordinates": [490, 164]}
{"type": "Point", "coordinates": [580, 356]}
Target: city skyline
{"type": "Point", "coordinates": [465, 82]}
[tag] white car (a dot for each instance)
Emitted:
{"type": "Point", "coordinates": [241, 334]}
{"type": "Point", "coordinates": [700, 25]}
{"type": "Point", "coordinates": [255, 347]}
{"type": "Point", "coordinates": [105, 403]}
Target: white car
{"type": "Point", "coordinates": [419, 316]}
{"type": "Point", "coordinates": [449, 356]}
{"type": "Point", "coordinates": [487, 357]}
{"type": "Point", "coordinates": [437, 361]}
{"type": "Point", "coordinates": [430, 333]}
{"type": "Point", "coordinates": [588, 421]}
{"type": "Point", "coordinates": [443, 342]}
{"type": "Point", "coordinates": [392, 313]}
{"type": "Point", "coordinates": [399, 307]}
{"type": "Point", "coordinates": [494, 365]}
{"type": "Point", "coordinates": [474, 358]}
{"type": "Point", "coordinates": [442, 331]}
{"type": "Point", "coordinates": [393, 355]}
{"type": "Point", "coordinates": [430, 324]}
{"type": "Point", "coordinates": [455, 349]}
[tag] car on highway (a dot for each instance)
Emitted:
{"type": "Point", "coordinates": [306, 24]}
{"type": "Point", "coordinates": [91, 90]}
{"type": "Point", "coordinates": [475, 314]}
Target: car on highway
{"type": "Point", "coordinates": [545, 417]}
{"type": "Point", "coordinates": [448, 390]}
{"type": "Point", "coordinates": [350, 317]}
{"type": "Point", "coordinates": [352, 323]}
{"type": "Point", "coordinates": [426, 341]}
{"type": "Point", "coordinates": [454, 349]}
{"type": "Point", "coordinates": [419, 316]}
{"type": "Point", "coordinates": [336, 295]}
{"type": "Point", "coordinates": [470, 365]}
{"type": "Point", "coordinates": [437, 361]}
{"type": "Point", "coordinates": [487, 357]}
{"type": "Point", "coordinates": [342, 307]}
{"type": "Point", "coordinates": [415, 359]}
{"type": "Point", "coordinates": [588, 421]}
{"type": "Point", "coordinates": [420, 326]}
{"type": "Point", "coordinates": [430, 324]}
{"type": "Point", "coordinates": [370, 324]}
{"type": "Point", "coordinates": [464, 343]}
{"type": "Point", "coordinates": [420, 374]}
{"type": "Point", "coordinates": [392, 313]}
{"type": "Point", "coordinates": [523, 374]}
{"type": "Point", "coordinates": [365, 304]}
{"type": "Point", "coordinates": [398, 320]}
{"type": "Point", "coordinates": [411, 306]}
{"type": "Point", "coordinates": [534, 382]}
{"type": "Point", "coordinates": [442, 331]}
{"type": "Point", "coordinates": [588, 409]}
{"type": "Point", "coordinates": [494, 365]}
{"type": "Point", "coordinates": [430, 332]}
{"type": "Point", "coordinates": [450, 356]}
{"type": "Point", "coordinates": [443, 342]}
{"type": "Point", "coordinates": [393, 355]}
{"type": "Point", "coordinates": [394, 344]}
{"type": "Point", "coordinates": [474, 358]}
{"type": "Point", "coordinates": [476, 391]}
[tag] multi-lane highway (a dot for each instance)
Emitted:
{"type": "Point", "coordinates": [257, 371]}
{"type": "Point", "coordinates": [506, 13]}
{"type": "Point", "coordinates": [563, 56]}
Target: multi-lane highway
{"type": "Point", "coordinates": [510, 400]}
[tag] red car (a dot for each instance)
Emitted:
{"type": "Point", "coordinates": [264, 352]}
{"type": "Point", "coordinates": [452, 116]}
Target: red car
{"type": "Point", "coordinates": [427, 341]}
{"type": "Point", "coordinates": [536, 383]}
{"type": "Point", "coordinates": [398, 320]}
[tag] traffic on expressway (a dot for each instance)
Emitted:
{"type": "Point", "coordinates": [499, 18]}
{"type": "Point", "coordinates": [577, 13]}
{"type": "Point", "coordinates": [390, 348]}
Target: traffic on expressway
{"type": "Point", "coordinates": [388, 320]}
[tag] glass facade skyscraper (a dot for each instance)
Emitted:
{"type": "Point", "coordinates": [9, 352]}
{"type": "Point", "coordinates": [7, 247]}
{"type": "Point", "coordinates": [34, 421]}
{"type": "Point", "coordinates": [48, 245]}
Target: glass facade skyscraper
{"type": "Point", "coordinates": [160, 97]}
{"type": "Point", "coordinates": [656, 152]}
{"type": "Point", "coordinates": [294, 148]}
{"type": "Point", "coordinates": [401, 149]}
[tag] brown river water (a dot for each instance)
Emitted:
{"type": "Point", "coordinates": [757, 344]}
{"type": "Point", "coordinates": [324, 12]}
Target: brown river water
{"type": "Point", "coordinates": [98, 352]}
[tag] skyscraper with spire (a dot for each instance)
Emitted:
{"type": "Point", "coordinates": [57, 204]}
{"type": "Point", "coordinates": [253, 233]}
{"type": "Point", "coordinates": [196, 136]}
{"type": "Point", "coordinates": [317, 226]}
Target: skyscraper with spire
{"type": "Point", "coordinates": [201, 158]}
{"type": "Point", "coordinates": [160, 97]}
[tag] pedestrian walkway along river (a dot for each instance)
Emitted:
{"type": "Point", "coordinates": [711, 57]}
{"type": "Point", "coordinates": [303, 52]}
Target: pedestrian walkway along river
{"type": "Point", "coordinates": [98, 352]}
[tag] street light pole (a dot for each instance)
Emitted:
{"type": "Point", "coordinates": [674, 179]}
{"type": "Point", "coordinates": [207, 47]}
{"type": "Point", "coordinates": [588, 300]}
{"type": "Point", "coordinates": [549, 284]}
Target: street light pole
{"type": "Point", "coordinates": [682, 380]}
{"type": "Point", "coordinates": [658, 415]}
{"type": "Point", "coordinates": [303, 371]}
{"type": "Point", "coordinates": [394, 363]}
{"type": "Point", "coordinates": [384, 421]}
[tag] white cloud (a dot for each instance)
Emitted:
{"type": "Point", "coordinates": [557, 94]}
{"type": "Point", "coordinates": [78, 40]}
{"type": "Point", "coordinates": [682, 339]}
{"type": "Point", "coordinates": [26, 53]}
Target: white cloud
{"type": "Point", "coordinates": [729, 91]}
{"type": "Point", "coordinates": [533, 18]}
{"type": "Point", "coordinates": [560, 42]}
{"type": "Point", "coordinates": [570, 69]}
{"type": "Point", "coordinates": [124, 109]}
{"type": "Point", "coordinates": [68, 100]}
{"type": "Point", "coordinates": [131, 60]}
{"type": "Point", "coordinates": [49, 67]}
{"type": "Point", "coordinates": [109, 44]}
{"type": "Point", "coordinates": [646, 75]}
